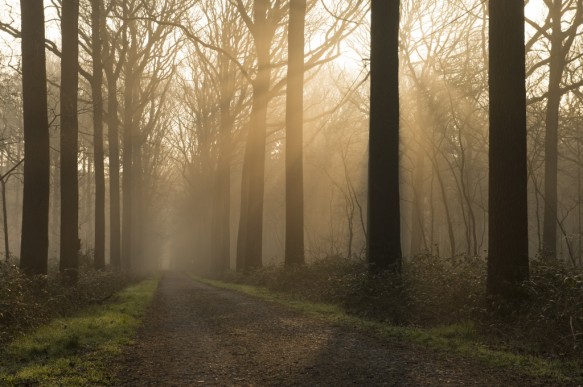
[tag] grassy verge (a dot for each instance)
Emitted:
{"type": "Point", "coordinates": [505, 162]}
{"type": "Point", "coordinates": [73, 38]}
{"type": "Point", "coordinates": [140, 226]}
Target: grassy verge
{"type": "Point", "coordinates": [462, 338]}
{"type": "Point", "coordinates": [77, 350]}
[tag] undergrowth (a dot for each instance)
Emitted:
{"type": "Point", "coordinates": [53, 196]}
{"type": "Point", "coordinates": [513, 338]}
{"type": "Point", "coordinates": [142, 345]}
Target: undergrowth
{"type": "Point", "coordinates": [27, 302]}
{"type": "Point", "coordinates": [460, 338]}
{"type": "Point", "coordinates": [77, 350]}
{"type": "Point", "coordinates": [436, 294]}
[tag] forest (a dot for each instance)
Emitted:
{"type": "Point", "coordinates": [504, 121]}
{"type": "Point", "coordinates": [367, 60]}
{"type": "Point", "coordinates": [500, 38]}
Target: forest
{"type": "Point", "coordinates": [412, 163]}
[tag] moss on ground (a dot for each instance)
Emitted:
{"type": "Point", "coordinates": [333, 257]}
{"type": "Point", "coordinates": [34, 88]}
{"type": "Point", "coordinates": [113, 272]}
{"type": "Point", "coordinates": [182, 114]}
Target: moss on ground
{"type": "Point", "coordinates": [77, 350]}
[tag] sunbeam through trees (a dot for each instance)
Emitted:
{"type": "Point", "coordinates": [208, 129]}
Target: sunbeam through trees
{"type": "Point", "coordinates": [413, 163]}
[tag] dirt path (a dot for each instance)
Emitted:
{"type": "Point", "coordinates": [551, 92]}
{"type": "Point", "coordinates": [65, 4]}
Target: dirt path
{"type": "Point", "coordinates": [199, 335]}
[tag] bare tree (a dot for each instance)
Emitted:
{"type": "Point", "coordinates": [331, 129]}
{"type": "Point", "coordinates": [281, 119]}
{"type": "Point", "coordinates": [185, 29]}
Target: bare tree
{"type": "Point", "coordinates": [262, 26]}
{"type": "Point", "coordinates": [35, 211]}
{"type": "Point", "coordinates": [130, 47]}
{"type": "Point", "coordinates": [384, 214]}
{"type": "Point", "coordinates": [69, 262]}
{"type": "Point", "coordinates": [97, 97]}
{"type": "Point", "coordinates": [561, 42]}
{"type": "Point", "coordinates": [508, 218]}
{"type": "Point", "coordinates": [113, 65]}
{"type": "Point", "coordinates": [294, 228]}
{"type": "Point", "coordinates": [3, 181]}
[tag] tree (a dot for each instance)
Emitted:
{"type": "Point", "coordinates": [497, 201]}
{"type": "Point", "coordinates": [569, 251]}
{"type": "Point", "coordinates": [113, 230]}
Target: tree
{"type": "Point", "coordinates": [445, 117]}
{"type": "Point", "coordinates": [69, 263]}
{"type": "Point", "coordinates": [507, 198]}
{"type": "Point", "coordinates": [230, 35]}
{"type": "Point", "coordinates": [148, 67]}
{"type": "Point", "coordinates": [3, 181]}
{"type": "Point", "coordinates": [561, 43]}
{"type": "Point", "coordinates": [129, 42]}
{"type": "Point", "coordinates": [294, 195]}
{"type": "Point", "coordinates": [250, 233]}
{"type": "Point", "coordinates": [96, 83]}
{"type": "Point", "coordinates": [112, 72]}
{"type": "Point", "coordinates": [384, 214]}
{"type": "Point", "coordinates": [35, 208]}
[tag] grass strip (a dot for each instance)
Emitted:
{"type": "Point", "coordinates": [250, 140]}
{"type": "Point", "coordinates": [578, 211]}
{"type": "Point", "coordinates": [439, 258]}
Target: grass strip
{"type": "Point", "coordinates": [461, 338]}
{"type": "Point", "coordinates": [77, 350]}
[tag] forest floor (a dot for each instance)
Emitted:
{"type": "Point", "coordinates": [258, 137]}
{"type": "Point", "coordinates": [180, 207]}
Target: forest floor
{"type": "Point", "coordinates": [195, 334]}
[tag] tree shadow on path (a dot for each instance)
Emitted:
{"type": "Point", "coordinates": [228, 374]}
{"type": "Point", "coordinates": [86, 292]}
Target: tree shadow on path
{"type": "Point", "coordinates": [194, 334]}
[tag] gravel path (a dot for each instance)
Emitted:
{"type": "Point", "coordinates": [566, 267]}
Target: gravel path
{"type": "Point", "coordinates": [195, 334]}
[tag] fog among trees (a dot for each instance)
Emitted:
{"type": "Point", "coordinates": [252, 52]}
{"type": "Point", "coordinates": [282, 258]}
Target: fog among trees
{"type": "Point", "coordinates": [291, 192]}
{"type": "Point", "coordinates": [210, 133]}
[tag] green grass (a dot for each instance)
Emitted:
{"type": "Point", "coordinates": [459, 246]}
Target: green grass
{"type": "Point", "coordinates": [77, 350]}
{"type": "Point", "coordinates": [462, 338]}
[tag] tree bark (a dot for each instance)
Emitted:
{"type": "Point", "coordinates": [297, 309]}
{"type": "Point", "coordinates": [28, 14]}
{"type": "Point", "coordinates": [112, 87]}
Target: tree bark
{"type": "Point", "coordinates": [221, 233]}
{"type": "Point", "coordinates": [5, 221]}
{"type": "Point", "coordinates": [250, 236]}
{"type": "Point", "coordinates": [114, 188]}
{"type": "Point", "coordinates": [35, 207]}
{"type": "Point", "coordinates": [556, 67]}
{"type": "Point", "coordinates": [294, 117]}
{"type": "Point", "coordinates": [96, 85]}
{"type": "Point", "coordinates": [507, 199]}
{"type": "Point", "coordinates": [69, 263]}
{"type": "Point", "coordinates": [128, 130]}
{"type": "Point", "coordinates": [384, 214]}
{"type": "Point", "coordinates": [55, 228]}
{"type": "Point", "coordinates": [112, 72]}
{"type": "Point", "coordinates": [418, 240]}
{"type": "Point", "coordinates": [137, 204]}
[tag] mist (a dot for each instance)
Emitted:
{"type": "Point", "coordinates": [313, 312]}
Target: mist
{"type": "Point", "coordinates": [291, 192]}
{"type": "Point", "coordinates": [193, 91]}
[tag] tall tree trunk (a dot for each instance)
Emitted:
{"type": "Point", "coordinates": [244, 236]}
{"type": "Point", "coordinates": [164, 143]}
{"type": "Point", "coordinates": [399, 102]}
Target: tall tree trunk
{"type": "Point", "coordinates": [96, 84]}
{"type": "Point", "coordinates": [418, 240]}
{"type": "Point", "coordinates": [17, 209]}
{"type": "Point", "coordinates": [113, 69]}
{"type": "Point", "coordinates": [507, 198]}
{"type": "Point", "coordinates": [69, 263]}
{"type": "Point", "coordinates": [294, 117]}
{"type": "Point", "coordinates": [446, 210]}
{"type": "Point", "coordinates": [35, 206]}
{"type": "Point", "coordinates": [114, 188]}
{"type": "Point", "coordinates": [250, 237]}
{"type": "Point", "coordinates": [579, 209]}
{"type": "Point", "coordinates": [127, 178]}
{"type": "Point", "coordinates": [556, 66]}
{"type": "Point", "coordinates": [88, 192]}
{"type": "Point", "coordinates": [137, 202]}
{"type": "Point", "coordinates": [384, 214]}
{"type": "Point", "coordinates": [221, 237]}
{"type": "Point", "coordinates": [56, 208]}
{"type": "Point", "coordinates": [241, 264]}
{"type": "Point", "coordinates": [5, 221]}
{"type": "Point", "coordinates": [221, 229]}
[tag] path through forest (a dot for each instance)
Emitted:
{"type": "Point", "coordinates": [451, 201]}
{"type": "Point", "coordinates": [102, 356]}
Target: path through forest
{"type": "Point", "coordinates": [195, 334]}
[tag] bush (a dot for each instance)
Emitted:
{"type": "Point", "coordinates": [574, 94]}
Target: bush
{"type": "Point", "coordinates": [326, 280]}
{"type": "Point", "coordinates": [551, 318]}
{"type": "Point", "coordinates": [445, 291]}
{"type": "Point", "coordinates": [27, 302]}
{"type": "Point", "coordinates": [19, 308]}
{"type": "Point", "coordinates": [429, 291]}
{"type": "Point", "coordinates": [433, 292]}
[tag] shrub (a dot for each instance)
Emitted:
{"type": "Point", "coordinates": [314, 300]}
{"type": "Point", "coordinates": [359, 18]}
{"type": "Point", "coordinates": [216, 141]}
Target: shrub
{"type": "Point", "coordinates": [19, 306]}
{"type": "Point", "coordinates": [433, 292]}
{"type": "Point", "coordinates": [27, 302]}
{"type": "Point", "coordinates": [445, 291]}
{"type": "Point", "coordinates": [551, 318]}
